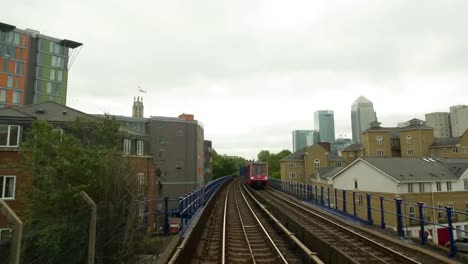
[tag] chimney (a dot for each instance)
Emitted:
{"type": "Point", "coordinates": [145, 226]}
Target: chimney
{"type": "Point", "coordinates": [187, 117]}
{"type": "Point", "coordinates": [137, 107]}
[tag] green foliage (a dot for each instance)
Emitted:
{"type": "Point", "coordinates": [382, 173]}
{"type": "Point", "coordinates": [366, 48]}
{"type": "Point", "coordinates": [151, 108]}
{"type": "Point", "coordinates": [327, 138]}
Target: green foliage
{"type": "Point", "coordinates": [83, 158]}
{"type": "Point", "coordinates": [273, 160]}
{"type": "Point", "coordinates": [225, 165]}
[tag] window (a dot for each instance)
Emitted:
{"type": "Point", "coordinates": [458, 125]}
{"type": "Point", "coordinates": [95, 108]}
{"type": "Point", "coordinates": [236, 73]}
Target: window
{"type": "Point", "coordinates": [380, 152]}
{"type": "Point", "coordinates": [57, 89]}
{"type": "Point", "coordinates": [300, 175]}
{"type": "Point", "coordinates": [16, 97]}
{"type": "Point", "coordinates": [127, 144]}
{"type": "Point", "coordinates": [440, 213]}
{"type": "Point", "coordinates": [10, 81]}
{"type": "Point", "coordinates": [51, 47]}
{"type": "Point", "coordinates": [465, 149]}
{"type": "Point", "coordinates": [455, 150]}
{"type": "Point", "coordinates": [139, 147]}
{"type": "Point", "coordinates": [179, 164]}
{"type": "Point", "coordinates": [449, 186]}
{"type": "Point", "coordinates": [439, 186]}
{"type": "Point", "coordinates": [421, 187]}
{"type": "Point", "coordinates": [180, 133]}
{"type": "Point", "coordinates": [408, 140]}
{"type": "Point", "coordinates": [49, 87]}
{"type": "Point", "coordinates": [9, 136]}
{"type": "Point", "coordinates": [410, 187]}
{"type": "Point", "coordinates": [379, 140]}
{"type": "Point", "coordinates": [7, 187]}
{"type": "Point", "coordinates": [292, 175]}
{"type": "Point", "coordinates": [162, 140]}
{"type": "Point", "coordinates": [317, 163]}
{"type": "Point", "coordinates": [2, 95]}
{"type": "Point", "coordinates": [52, 74]}
{"type": "Point", "coordinates": [356, 184]}
{"type": "Point", "coordinates": [444, 150]}
{"type": "Point", "coordinates": [162, 153]}
{"type": "Point", "coordinates": [410, 152]}
{"type": "Point", "coordinates": [141, 182]}
{"type": "Point", "coordinates": [19, 68]}
{"type": "Point", "coordinates": [5, 233]}
{"type": "Point", "coordinates": [465, 183]}
{"type": "Point", "coordinates": [338, 164]}
{"type": "Point", "coordinates": [60, 76]}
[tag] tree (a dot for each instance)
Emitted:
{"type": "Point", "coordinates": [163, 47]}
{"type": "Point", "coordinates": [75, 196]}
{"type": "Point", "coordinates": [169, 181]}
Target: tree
{"type": "Point", "coordinates": [226, 165]}
{"type": "Point", "coordinates": [83, 158]}
{"type": "Point", "coordinates": [273, 160]}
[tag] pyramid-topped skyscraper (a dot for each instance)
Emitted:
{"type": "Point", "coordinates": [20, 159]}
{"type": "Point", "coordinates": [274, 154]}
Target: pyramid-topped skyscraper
{"type": "Point", "coordinates": [362, 114]}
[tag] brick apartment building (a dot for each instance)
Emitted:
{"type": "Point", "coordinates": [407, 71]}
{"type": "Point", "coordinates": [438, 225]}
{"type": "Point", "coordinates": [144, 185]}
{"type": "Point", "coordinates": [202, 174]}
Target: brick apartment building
{"type": "Point", "coordinates": [14, 122]}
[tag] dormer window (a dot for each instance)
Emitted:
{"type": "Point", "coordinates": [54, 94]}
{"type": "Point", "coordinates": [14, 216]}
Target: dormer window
{"type": "Point", "coordinates": [379, 140]}
{"type": "Point", "coordinates": [317, 163]}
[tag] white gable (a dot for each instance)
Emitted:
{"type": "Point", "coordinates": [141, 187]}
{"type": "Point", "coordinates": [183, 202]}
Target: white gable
{"type": "Point", "coordinates": [369, 179]}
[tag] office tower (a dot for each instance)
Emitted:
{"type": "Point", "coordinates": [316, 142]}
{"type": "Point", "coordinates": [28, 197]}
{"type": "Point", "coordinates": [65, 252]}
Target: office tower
{"type": "Point", "coordinates": [302, 139]}
{"type": "Point", "coordinates": [459, 119]}
{"type": "Point", "coordinates": [440, 121]}
{"type": "Point", "coordinates": [362, 114]}
{"type": "Point", "coordinates": [324, 122]}
{"type": "Point", "coordinates": [33, 67]}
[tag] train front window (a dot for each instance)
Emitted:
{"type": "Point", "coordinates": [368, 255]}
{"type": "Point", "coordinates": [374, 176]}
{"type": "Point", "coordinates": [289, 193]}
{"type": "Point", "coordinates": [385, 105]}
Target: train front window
{"type": "Point", "coordinates": [259, 169]}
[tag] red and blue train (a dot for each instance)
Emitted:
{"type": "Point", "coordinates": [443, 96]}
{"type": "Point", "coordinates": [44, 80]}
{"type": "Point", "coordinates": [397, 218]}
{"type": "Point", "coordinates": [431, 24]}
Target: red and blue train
{"type": "Point", "coordinates": [256, 174]}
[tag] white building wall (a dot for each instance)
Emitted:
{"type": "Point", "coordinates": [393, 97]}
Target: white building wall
{"type": "Point", "coordinates": [369, 179]}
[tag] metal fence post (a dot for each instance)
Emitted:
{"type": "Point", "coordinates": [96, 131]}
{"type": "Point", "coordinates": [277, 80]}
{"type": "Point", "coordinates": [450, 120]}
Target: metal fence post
{"type": "Point", "coordinates": [354, 204]}
{"type": "Point", "coordinates": [92, 227]}
{"type": "Point", "coordinates": [166, 216]}
{"type": "Point", "coordinates": [321, 196]}
{"type": "Point", "coordinates": [336, 199]}
{"type": "Point", "coordinates": [382, 216]}
{"type": "Point", "coordinates": [421, 222]}
{"type": "Point", "coordinates": [181, 212]}
{"type": "Point", "coordinates": [453, 247]}
{"type": "Point", "coordinates": [15, 247]}
{"type": "Point", "coordinates": [316, 194]}
{"type": "Point", "coordinates": [328, 196]}
{"type": "Point", "coordinates": [369, 210]}
{"type": "Point", "coordinates": [400, 230]}
{"type": "Point", "coordinates": [344, 201]}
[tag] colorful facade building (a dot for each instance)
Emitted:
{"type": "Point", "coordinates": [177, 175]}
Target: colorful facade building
{"type": "Point", "coordinates": [33, 67]}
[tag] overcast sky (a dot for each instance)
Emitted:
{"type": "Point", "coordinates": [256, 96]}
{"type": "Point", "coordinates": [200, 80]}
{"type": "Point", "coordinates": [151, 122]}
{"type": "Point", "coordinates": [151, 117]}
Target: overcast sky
{"type": "Point", "coordinates": [252, 71]}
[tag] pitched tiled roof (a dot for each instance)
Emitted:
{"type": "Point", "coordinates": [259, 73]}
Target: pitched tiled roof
{"type": "Point", "coordinates": [353, 147]}
{"type": "Point", "coordinates": [328, 172]}
{"type": "Point", "coordinates": [415, 169]}
{"type": "Point", "coordinates": [439, 142]}
{"type": "Point", "coordinates": [332, 156]}
{"type": "Point", "coordinates": [296, 155]}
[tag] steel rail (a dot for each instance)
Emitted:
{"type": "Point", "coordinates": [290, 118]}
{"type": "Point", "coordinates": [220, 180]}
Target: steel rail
{"type": "Point", "coordinates": [333, 223]}
{"type": "Point", "coordinates": [223, 254]}
{"type": "Point", "coordinates": [311, 255]}
{"type": "Point", "coordinates": [262, 227]}
{"type": "Point", "coordinates": [243, 229]}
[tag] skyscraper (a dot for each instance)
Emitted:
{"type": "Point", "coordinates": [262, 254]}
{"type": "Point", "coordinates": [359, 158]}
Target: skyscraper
{"type": "Point", "coordinates": [459, 119]}
{"type": "Point", "coordinates": [440, 121]}
{"type": "Point", "coordinates": [304, 138]}
{"type": "Point", "coordinates": [362, 114]}
{"type": "Point", "coordinates": [324, 122]}
{"type": "Point", "coordinates": [33, 67]}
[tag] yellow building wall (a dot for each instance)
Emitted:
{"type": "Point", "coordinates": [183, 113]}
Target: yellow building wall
{"type": "Point", "coordinates": [369, 142]}
{"type": "Point", "coordinates": [448, 151]}
{"type": "Point", "coordinates": [286, 169]}
{"type": "Point", "coordinates": [315, 152]}
{"type": "Point", "coordinates": [421, 141]}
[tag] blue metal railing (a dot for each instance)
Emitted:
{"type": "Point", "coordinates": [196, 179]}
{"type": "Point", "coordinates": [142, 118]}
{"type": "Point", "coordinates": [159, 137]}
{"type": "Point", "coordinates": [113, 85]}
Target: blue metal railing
{"type": "Point", "coordinates": [369, 206]}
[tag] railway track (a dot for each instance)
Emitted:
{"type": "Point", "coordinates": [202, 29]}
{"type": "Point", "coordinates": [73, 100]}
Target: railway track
{"type": "Point", "coordinates": [355, 246]}
{"type": "Point", "coordinates": [239, 231]}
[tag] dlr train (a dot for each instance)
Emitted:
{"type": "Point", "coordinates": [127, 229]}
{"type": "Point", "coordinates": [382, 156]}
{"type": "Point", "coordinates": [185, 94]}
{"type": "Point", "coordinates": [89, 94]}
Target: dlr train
{"type": "Point", "coordinates": [255, 174]}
